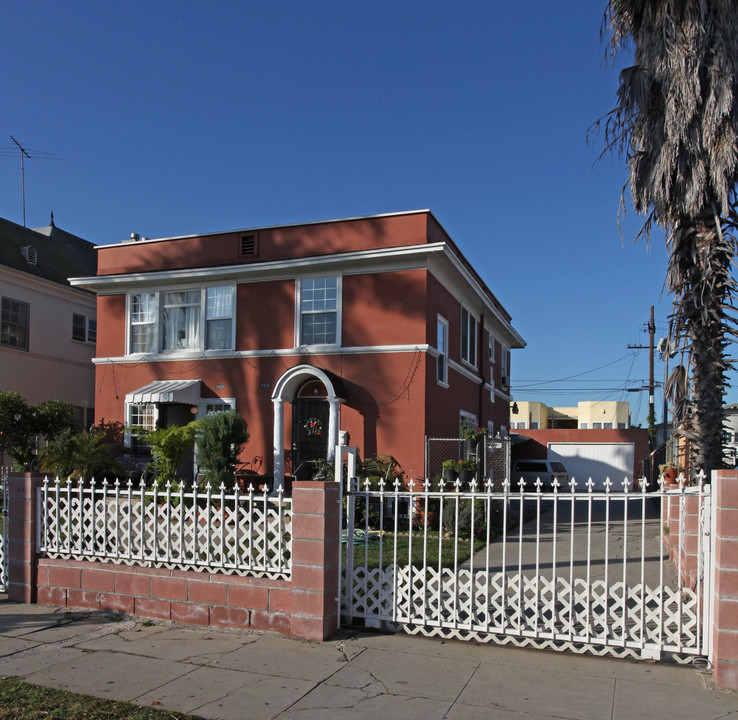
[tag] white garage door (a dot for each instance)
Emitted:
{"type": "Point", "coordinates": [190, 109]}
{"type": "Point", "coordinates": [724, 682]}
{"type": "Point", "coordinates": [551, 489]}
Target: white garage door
{"type": "Point", "coordinates": [598, 461]}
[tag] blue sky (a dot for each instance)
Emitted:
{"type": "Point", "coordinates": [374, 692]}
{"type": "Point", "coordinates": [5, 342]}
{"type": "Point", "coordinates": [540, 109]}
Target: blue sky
{"type": "Point", "coordinates": [170, 118]}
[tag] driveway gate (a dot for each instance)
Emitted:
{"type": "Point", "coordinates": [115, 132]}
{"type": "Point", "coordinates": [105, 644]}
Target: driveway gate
{"type": "Point", "coordinates": [569, 569]}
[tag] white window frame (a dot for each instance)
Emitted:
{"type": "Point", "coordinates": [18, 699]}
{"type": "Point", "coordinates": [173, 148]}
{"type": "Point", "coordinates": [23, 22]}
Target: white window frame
{"type": "Point", "coordinates": [491, 349]}
{"type": "Point", "coordinates": [157, 344]}
{"type": "Point", "coordinates": [299, 340]}
{"type": "Point", "coordinates": [468, 327]}
{"type": "Point", "coordinates": [442, 325]}
{"type": "Point", "coordinates": [128, 437]}
{"type": "Point", "coordinates": [130, 323]}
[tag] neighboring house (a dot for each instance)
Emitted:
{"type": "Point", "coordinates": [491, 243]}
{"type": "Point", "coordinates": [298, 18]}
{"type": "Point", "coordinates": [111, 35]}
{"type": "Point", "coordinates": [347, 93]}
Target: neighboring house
{"type": "Point", "coordinates": [47, 327]}
{"type": "Point", "coordinates": [588, 415]}
{"type": "Point", "coordinates": [372, 331]}
{"type": "Point", "coordinates": [593, 439]}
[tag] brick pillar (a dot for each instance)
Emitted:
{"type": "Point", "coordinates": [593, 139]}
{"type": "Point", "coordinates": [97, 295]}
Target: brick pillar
{"type": "Point", "coordinates": [725, 599]}
{"type": "Point", "coordinates": [315, 559]}
{"type": "Point", "coordinates": [21, 538]}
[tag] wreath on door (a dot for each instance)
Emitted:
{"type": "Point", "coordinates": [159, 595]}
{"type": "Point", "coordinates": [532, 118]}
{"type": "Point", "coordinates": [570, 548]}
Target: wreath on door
{"type": "Point", "coordinates": [314, 427]}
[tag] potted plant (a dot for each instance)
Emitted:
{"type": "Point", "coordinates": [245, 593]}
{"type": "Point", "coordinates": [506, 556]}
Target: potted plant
{"type": "Point", "coordinates": [669, 471]}
{"type": "Point", "coordinates": [450, 470]}
{"type": "Point", "coordinates": [467, 470]}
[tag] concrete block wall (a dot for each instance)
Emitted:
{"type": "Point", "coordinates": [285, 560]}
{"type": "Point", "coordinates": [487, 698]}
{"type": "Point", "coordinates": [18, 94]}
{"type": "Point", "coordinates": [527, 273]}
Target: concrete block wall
{"type": "Point", "coordinates": [305, 606]}
{"type": "Point", "coordinates": [725, 598]}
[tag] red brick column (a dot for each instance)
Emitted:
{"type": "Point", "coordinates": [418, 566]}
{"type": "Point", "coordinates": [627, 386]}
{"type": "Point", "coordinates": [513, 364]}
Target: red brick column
{"type": "Point", "coordinates": [315, 559]}
{"type": "Point", "coordinates": [725, 600]}
{"type": "Point", "coordinates": [21, 538]}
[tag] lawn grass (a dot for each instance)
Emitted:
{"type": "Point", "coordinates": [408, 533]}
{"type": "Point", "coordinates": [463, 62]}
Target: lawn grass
{"type": "Point", "coordinates": [452, 550]}
{"type": "Point", "coordinates": [22, 701]}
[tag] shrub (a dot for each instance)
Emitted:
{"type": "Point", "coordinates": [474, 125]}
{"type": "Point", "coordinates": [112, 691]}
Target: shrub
{"type": "Point", "coordinates": [168, 446]}
{"type": "Point", "coordinates": [222, 438]}
{"type": "Point", "coordinates": [81, 455]}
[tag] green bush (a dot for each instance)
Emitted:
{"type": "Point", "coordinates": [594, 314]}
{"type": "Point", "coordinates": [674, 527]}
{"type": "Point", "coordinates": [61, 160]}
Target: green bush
{"type": "Point", "coordinates": [169, 446]}
{"type": "Point", "coordinates": [81, 455]}
{"type": "Point", "coordinates": [22, 424]}
{"type": "Point", "coordinates": [222, 438]}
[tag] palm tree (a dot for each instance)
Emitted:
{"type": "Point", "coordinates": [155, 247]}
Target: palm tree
{"type": "Point", "coordinates": [676, 121]}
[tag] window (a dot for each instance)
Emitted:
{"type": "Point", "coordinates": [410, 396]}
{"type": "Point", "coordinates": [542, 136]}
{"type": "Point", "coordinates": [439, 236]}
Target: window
{"type": "Point", "coordinates": [584, 426]}
{"type": "Point", "coordinates": [468, 337]}
{"type": "Point", "coordinates": [318, 299]}
{"type": "Point", "coordinates": [492, 349]}
{"type": "Point", "coordinates": [143, 322]}
{"type": "Point", "coordinates": [221, 407]}
{"type": "Point", "coordinates": [143, 416]}
{"type": "Point", "coordinates": [468, 419]}
{"type": "Point", "coordinates": [219, 318]}
{"type": "Point", "coordinates": [505, 367]}
{"type": "Point", "coordinates": [535, 425]}
{"type": "Point", "coordinates": [181, 320]}
{"type": "Point", "coordinates": [173, 320]}
{"type": "Point", "coordinates": [518, 425]}
{"type": "Point", "coordinates": [442, 347]}
{"type": "Point", "coordinates": [84, 328]}
{"type": "Point", "coordinates": [15, 320]}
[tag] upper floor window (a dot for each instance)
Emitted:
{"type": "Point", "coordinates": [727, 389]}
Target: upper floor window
{"type": "Point", "coordinates": [318, 311]}
{"type": "Point", "coordinates": [505, 367]}
{"type": "Point", "coordinates": [143, 322]}
{"type": "Point", "coordinates": [173, 320]}
{"type": "Point", "coordinates": [84, 328]}
{"type": "Point", "coordinates": [15, 321]}
{"type": "Point", "coordinates": [442, 348]}
{"type": "Point", "coordinates": [468, 337]}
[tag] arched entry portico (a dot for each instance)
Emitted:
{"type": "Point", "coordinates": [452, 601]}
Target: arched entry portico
{"type": "Point", "coordinates": [286, 390]}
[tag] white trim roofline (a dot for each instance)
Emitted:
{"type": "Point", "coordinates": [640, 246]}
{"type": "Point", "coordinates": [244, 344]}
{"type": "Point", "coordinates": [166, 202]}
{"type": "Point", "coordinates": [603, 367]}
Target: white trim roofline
{"type": "Point", "coordinates": [266, 227]}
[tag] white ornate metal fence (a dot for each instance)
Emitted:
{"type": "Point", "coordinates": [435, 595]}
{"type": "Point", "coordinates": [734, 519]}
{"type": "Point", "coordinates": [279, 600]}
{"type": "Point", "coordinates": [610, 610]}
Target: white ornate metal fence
{"type": "Point", "coordinates": [3, 529]}
{"type": "Point", "coordinates": [244, 533]}
{"type": "Point", "coordinates": [569, 569]}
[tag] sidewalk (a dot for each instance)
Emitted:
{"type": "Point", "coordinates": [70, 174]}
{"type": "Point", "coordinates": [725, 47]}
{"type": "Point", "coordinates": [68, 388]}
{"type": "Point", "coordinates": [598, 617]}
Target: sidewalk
{"type": "Point", "coordinates": [221, 674]}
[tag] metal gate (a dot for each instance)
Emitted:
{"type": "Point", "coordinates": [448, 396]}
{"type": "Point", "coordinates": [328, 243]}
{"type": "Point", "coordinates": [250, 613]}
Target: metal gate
{"type": "Point", "coordinates": [576, 569]}
{"type": "Point", "coordinates": [3, 529]}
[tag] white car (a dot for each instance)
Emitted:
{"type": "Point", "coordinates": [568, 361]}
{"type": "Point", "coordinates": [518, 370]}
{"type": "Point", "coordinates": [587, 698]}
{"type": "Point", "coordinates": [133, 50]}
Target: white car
{"type": "Point", "coordinates": [531, 470]}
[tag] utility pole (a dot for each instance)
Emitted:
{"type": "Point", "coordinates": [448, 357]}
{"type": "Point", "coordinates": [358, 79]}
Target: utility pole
{"type": "Point", "coordinates": [651, 384]}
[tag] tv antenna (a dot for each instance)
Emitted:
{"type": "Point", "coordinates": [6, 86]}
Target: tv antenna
{"type": "Point", "coordinates": [25, 153]}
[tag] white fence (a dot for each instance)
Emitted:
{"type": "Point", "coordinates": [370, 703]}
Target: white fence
{"type": "Point", "coordinates": [568, 569]}
{"type": "Point", "coordinates": [4, 518]}
{"type": "Point", "coordinates": [244, 533]}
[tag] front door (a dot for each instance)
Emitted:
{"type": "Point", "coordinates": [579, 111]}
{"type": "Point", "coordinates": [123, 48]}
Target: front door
{"type": "Point", "coordinates": [309, 435]}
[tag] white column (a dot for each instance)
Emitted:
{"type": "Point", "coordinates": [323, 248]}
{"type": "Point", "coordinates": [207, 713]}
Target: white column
{"type": "Point", "coordinates": [334, 422]}
{"type": "Point", "coordinates": [278, 442]}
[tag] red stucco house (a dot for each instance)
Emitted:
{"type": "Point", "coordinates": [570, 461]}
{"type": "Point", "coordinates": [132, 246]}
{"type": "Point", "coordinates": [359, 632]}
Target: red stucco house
{"type": "Point", "coordinates": [371, 331]}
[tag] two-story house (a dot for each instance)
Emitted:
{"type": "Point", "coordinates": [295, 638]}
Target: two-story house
{"type": "Point", "coordinates": [372, 331]}
{"type": "Point", "coordinates": [47, 327]}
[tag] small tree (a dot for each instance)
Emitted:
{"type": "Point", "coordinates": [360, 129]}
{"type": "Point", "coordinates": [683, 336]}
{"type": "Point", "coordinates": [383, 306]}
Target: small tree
{"type": "Point", "coordinates": [21, 425]}
{"type": "Point", "coordinates": [222, 438]}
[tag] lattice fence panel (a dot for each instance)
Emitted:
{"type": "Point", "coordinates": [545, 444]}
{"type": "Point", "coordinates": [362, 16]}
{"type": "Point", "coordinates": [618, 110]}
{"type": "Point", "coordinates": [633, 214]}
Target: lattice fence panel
{"type": "Point", "coordinates": [534, 608]}
{"type": "Point", "coordinates": [245, 534]}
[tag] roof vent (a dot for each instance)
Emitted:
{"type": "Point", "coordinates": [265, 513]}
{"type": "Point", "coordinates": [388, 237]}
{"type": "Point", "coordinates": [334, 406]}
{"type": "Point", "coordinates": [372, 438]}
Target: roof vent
{"type": "Point", "coordinates": [248, 245]}
{"type": "Point", "coordinates": [30, 254]}
{"type": "Point", "coordinates": [135, 237]}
